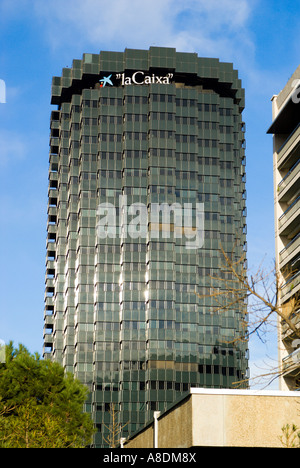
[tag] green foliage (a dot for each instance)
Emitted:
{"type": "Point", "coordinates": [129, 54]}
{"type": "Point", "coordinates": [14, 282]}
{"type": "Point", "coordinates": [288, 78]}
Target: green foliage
{"type": "Point", "coordinates": [290, 436]}
{"type": "Point", "coordinates": [40, 405]}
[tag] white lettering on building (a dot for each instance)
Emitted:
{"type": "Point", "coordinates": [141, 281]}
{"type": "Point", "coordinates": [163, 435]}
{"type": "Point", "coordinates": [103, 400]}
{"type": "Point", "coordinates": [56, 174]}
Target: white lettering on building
{"type": "Point", "coordinates": [139, 78]}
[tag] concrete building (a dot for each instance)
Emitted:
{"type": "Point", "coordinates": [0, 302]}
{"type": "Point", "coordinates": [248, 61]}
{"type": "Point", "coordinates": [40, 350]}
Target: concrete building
{"type": "Point", "coordinates": [286, 148]}
{"type": "Point", "coordinates": [221, 418]}
{"type": "Point", "coordinates": [133, 131]}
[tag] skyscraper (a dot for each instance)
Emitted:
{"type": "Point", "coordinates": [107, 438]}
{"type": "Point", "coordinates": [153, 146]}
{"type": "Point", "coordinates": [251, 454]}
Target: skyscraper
{"type": "Point", "coordinates": [286, 157]}
{"type": "Point", "coordinates": [146, 180]}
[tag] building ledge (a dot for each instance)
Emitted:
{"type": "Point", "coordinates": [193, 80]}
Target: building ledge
{"type": "Point", "coordinates": [245, 392]}
{"type": "Point", "coordinates": [287, 119]}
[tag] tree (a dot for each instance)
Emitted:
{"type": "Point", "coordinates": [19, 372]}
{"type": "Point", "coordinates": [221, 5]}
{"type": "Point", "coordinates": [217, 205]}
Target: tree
{"type": "Point", "coordinates": [40, 405]}
{"type": "Point", "coordinates": [258, 295]}
{"type": "Point", "coordinates": [114, 430]}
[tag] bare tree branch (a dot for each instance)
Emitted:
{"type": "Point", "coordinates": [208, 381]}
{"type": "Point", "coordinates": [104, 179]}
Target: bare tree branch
{"type": "Point", "coordinates": [114, 429]}
{"type": "Point", "coordinates": [257, 294]}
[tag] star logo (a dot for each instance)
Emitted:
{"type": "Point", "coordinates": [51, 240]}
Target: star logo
{"type": "Point", "coordinates": [106, 80]}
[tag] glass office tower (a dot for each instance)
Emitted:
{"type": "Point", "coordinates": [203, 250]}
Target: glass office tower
{"type": "Point", "coordinates": [156, 138]}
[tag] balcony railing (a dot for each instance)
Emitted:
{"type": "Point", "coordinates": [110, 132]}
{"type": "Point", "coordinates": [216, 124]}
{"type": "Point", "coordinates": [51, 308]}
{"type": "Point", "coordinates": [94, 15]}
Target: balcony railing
{"type": "Point", "coordinates": [289, 212]}
{"type": "Point", "coordinates": [291, 286]}
{"type": "Point", "coordinates": [291, 363]}
{"type": "Point", "coordinates": [288, 177]}
{"type": "Point", "coordinates": [286, 329]}
{"type": "Point", "coordinates": [290, 248]}
{"type": "Point", "coordinates": [283, 150]}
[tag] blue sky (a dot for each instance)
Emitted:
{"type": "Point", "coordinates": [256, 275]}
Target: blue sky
{"type": "Point", "coordinates": [38, 39]}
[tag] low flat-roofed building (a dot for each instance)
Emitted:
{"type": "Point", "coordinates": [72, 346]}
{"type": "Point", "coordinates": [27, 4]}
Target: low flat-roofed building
{"type": "Point", "coordinates": [221, 418]}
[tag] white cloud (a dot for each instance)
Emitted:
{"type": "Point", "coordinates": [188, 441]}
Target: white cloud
{"type": "Point", "coordinates": [214, 28]}
{"type": "Point", "coordinates": [94, 22]}
{"type": "Point", "coordinates": [229, 13]}
{"type": "Point", "coordinates": [13, 147]}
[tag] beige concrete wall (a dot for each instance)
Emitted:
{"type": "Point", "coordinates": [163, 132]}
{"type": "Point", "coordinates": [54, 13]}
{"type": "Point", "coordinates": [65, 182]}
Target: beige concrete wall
{"type": "Point", "coordinates": [224, 418]}
{"type": "Point", "coordinates": [144, 439]}
{"type": "Point", "coordinates": [242, 420]}
{"type": "Point", "coordinates": [175, 428]}
{"type": "Point", "coordinates": [208, 420]}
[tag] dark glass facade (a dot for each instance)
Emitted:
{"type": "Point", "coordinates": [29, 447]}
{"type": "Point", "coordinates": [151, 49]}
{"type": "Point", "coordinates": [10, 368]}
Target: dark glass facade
{"type": "Point", "coordinates": [124, 312]}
